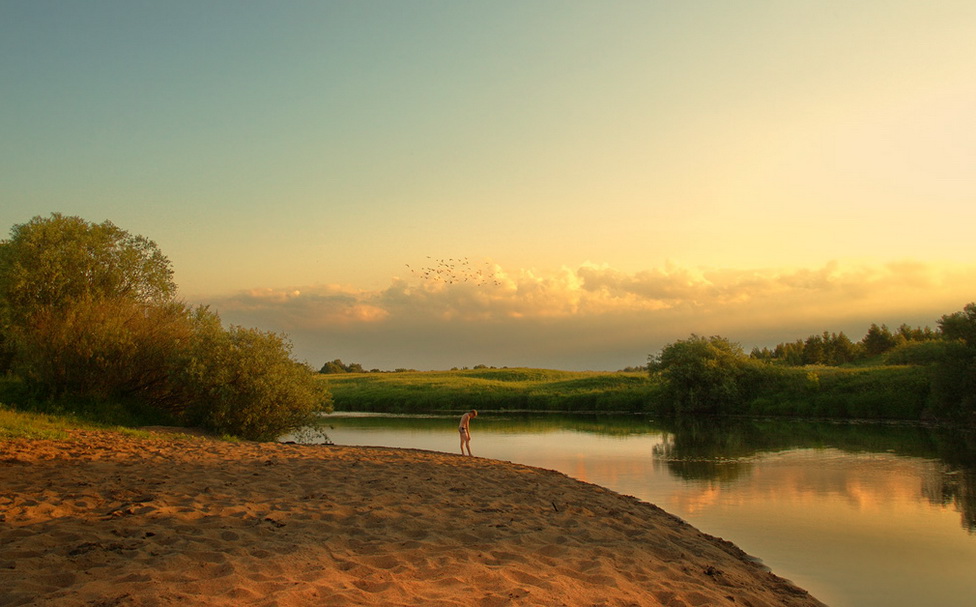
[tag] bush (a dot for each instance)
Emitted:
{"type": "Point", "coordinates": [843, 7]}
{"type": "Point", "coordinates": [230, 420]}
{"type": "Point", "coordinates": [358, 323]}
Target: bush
{"type": "Point", "coordinates": [702, 375]}
{"type": "Point", "coordinates": [102, 350]}
{"type": "Point", "coordinates": [917, 353]}
{"type": "Point", "coordinates": [243, 382]}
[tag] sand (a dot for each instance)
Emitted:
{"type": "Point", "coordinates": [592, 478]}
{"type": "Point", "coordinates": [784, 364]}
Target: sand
{"type": "Point", "coordinates": [103, 519]}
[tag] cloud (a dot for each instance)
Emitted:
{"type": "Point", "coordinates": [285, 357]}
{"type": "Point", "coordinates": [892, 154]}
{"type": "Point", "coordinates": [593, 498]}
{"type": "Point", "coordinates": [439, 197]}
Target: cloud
{"type": "Point", "coordinates": [593, 316]}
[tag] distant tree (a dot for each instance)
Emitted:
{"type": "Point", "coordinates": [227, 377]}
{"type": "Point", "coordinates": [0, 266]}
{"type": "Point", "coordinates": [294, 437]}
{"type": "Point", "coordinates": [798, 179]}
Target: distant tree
{"type": "Point", "coordinates": [337, 366]}
{"type": "Point", "coordinates": [790, 353]}
{"type": "Point", "coordinates": [814, 350]}
{"type": "Point", "coordinates": [916, 334]}
{"type": "Point", "coordinates": [701, 373]}
{"type": "Point", "coordinates": [960, 326]}
{"type": "Point", "coordinates": [842, 349]}
{"type": "Point", "coordinates": [878, 340]}
{"type": "Point", "coordinates": [334, 366]}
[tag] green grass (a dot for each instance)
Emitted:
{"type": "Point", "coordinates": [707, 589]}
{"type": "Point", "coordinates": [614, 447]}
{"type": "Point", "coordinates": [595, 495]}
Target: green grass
{"type": "Point", "coordinates": [33, 425]}
{"type": "Point", "coordinates": [490, 389]}
{"type": "Point", "coordinates": [24, 417]}
{"type": "Point", "coordinates": [878, 392]}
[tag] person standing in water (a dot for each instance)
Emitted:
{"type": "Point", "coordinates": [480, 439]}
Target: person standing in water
{"type": "Point", "coordinates": [465, 430]}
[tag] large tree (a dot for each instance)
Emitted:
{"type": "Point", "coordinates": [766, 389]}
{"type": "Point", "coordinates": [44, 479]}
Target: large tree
{"type": "Point", "coordinates": [59, 260]}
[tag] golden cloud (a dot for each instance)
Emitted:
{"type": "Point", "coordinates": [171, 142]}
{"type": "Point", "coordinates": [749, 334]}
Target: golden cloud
{"type": "Point", "coordinates": [569, 317]}
{"type": "Point", "coordinates": [593, 290]}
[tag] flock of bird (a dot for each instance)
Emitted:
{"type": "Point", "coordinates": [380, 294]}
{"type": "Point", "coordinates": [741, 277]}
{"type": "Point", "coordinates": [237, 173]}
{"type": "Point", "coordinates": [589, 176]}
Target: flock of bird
{"type": "Point", "coordinates": [456, 271]}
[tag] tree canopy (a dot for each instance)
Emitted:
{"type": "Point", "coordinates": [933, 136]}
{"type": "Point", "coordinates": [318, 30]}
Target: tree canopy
{"type": "Point", "coordinates": [59, 260]}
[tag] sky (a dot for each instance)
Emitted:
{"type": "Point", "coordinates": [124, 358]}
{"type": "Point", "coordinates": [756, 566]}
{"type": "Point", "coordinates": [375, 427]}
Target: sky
{"type": "Point", "coordinates": [593, 180]}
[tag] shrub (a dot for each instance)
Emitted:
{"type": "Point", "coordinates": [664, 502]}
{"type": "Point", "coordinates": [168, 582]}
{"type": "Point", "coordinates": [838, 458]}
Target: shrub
{"type": "Point", "coordinates": [702, 374]}
{"type": "Point", "coordinates": [243, 382]}
{"type": "Point", "coordinates": [103, 349]}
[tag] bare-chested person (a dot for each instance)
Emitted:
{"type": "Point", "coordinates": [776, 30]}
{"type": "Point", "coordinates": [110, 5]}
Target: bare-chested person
{"type": "Point", "coordinates": [465, 430]}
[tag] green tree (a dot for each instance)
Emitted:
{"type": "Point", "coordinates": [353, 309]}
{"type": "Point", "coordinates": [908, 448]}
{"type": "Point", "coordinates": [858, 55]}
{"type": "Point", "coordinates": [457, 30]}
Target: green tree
{"type": "Point", "coordinates": [701, 374]}
{"type": "Point", "coordinates": [842, 349]}
{"type": "Point", "coordinates": [58, 260]}
{"type": "Point", "coordinates": [814, 350]}
{"type": "Point", "coordinates": [790, 353]}
{"type": "Point", "coordinates": [878, 340]}
{"type": "Point", "coordinates": [960, 326]}
{"type": "Point", "coordinates": [104, 349]}
{"type": "Point", "coordinates": [335, 366]}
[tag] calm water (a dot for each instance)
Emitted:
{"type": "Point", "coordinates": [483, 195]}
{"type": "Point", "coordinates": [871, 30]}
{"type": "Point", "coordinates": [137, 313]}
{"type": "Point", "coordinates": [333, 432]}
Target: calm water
{"type": "Point", "coordinates": [860, 515]}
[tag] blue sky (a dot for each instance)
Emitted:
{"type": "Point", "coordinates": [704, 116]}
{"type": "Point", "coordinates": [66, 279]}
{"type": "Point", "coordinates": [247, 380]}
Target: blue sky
{"type": "Point", "coordinates": [627, 172]}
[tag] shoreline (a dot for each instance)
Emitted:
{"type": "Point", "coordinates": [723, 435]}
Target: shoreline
{"type": "Point", "coordinates": [106, 519]}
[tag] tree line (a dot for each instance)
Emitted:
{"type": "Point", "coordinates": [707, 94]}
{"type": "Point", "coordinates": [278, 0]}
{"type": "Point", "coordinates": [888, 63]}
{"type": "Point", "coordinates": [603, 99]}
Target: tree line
{"type": "Point", "coordinates": [936, 378]}
{"type": "Point", "coordinates": [838, 349]}
{"type": "Point", "coordinates": [89, 318]}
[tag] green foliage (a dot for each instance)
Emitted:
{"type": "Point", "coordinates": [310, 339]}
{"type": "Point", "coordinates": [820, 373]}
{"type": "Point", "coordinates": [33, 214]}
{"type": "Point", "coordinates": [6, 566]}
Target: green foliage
{"type": "Point", "coordinates": [960, 326]}
{"type": "Point", "coordinates": [702, 374]}
{"type": "Point", "coordinates": [59, 260]}
{"type": "Point", "coordinates": [90, 325]}
{"type": "Point", "coordinates": [243, 382]}
{"type": "Point", "coordinates": [954, 379]}
{"type": "Point", "coordinates": [862, 393]}
{"type": "Point", "coordinates": [103, 350]}
{"type": "Point", "coordinates": [917, 353]}
{"type": "Point", "coordinates": [878, 340]}
{"type": "Point", "coordinates": [837, 349]}
{"type": "Point", "coordinates": [337, 366]}
{"type": "Point", "coordinates": [491, 389]}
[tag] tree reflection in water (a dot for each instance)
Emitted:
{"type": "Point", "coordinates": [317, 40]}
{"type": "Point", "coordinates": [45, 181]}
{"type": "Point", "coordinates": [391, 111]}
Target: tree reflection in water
{"type": "Point", "coordinates": [724, 449]}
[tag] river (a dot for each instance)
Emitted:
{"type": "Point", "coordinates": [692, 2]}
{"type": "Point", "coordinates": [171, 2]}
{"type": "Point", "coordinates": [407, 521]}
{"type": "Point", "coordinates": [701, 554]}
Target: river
{"type": "Point", "coordinates": [859, 514]}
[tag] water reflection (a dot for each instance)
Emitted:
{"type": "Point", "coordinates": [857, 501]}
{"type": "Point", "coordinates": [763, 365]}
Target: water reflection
{"type": "Point", "coordinates": [724, 450]}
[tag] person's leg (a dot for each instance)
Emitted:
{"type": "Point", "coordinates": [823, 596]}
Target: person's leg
{"type": "Point", "coordinates": [463, 437]}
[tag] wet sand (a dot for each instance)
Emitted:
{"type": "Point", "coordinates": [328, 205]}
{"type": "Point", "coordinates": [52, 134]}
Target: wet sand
{"type": "Point", "coordinates": [103, 519]}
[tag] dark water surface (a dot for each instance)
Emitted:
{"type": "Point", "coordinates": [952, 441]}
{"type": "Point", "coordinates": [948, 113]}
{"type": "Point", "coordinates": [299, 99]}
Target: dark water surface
{"type": "Point", "coordinates": [861, 515]}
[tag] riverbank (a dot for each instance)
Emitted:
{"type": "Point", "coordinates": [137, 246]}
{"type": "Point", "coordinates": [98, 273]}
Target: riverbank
{"type": "Point", "coordinates": [101, 518]}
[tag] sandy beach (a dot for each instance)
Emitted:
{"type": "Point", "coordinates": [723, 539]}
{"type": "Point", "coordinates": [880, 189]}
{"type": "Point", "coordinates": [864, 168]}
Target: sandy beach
{"type": "Point", "coordinates": [102, 519]}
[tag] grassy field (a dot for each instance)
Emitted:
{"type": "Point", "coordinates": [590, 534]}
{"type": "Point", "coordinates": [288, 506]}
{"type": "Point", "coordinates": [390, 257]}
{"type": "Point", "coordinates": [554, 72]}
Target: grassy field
{"type": "Point", "coordinates": [880, 392]}
{"type": "Point", "coordinates": [490, 389]}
